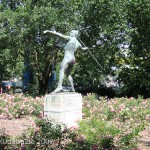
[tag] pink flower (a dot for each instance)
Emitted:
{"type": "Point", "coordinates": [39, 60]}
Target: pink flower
{"type": "Point", "coordinates": [112, 109]}
{"type": "Point", "coordinates": [109, 103]}
{"type": "Point", "coordinates": [40, 115]}
{"type": "Point", "coordinates": [6, 109]}
{"type": "Point", "coordinates": [134, 109]}
{"type": "Point", "coordinates": [37, 98]}
{"type": "Point", "coordinates": [121, 107]}
{"type": "Point", "coordinates": [37, 129]}
{"type": "Point", "coordinates": [116, 119]}
{"type": "Point", "coordinates": [2, 116]}
{"type": "Point", "coordinates": [88, 106]}
{"type": "Point", "coordinates": [94, 147]}
{"type": "Point", "coordinates": [83, 136]}
{"type": "Point", "coordinates": [74, 128]}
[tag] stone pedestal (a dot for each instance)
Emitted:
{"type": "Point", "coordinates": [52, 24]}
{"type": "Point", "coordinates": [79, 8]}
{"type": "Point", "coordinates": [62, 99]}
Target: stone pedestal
{"type": "Point", "coordinates": [63, 108]}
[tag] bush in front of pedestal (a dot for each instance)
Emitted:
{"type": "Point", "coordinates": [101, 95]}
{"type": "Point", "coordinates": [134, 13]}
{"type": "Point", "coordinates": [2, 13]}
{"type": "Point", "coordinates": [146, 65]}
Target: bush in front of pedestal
{"type": "Point", "coordinates": [47, 135]}
{"type": "Point", "coordinates": [17, 105]}
{"type": "Point", "coordinates": [117, 121]}
{"type": "Point", "coordinates": [50, 135]}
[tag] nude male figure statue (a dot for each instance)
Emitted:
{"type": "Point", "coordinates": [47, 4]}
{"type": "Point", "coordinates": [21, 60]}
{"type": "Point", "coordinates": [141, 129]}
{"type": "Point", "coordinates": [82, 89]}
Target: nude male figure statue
{"type": "Point", "coordinates": [69, 58]}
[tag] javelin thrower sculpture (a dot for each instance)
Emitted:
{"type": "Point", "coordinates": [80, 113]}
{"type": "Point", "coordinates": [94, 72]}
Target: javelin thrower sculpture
{"type": "Point", "coordinates": [69, 59]}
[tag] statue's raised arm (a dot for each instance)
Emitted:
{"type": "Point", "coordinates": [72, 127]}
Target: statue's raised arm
{"type": "Point", "coordinates": [57, 33]}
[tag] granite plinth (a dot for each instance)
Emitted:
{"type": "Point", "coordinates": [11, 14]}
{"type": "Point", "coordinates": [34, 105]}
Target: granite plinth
{"type": "Point", "coordinates": [63, 108]}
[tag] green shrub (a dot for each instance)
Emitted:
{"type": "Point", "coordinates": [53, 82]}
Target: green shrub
{"type": "Point", "coordinates": [98, 132]}
{"type": "Point", "coordinates": [14, 106]}
{"type": "Point", "coordinates": [122, 119]}
{"type": "Point", "coordinates": [113, 124]}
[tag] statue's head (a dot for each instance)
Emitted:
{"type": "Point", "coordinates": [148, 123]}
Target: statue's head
{"type": "Point", "coordinates": [74, 33]}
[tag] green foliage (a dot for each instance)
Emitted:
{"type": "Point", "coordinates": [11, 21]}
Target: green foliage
{"type": "Point", "coordinates": [9, 58]}
{"type": "Point", "coordinates": [15, 106]}
{"type": "Point", "coordinates": [113, 124]}
{"type": "Point", "coordinates": [103, 30]}
{"type": "Point", "coordinates": [106, 27]}
{"type": "Point", "coordinates": [3, 138]}
{"type": "Point", "coordinates": [120, 119]}
{"type": "Point", "coordinates": [48, 135]}
{"type": "Point", "coordinates": [138, 82]}
{"type": "Point", "coordinates": [45, 136]}
{"type": "Point", "coordinates": [22, 36]}
{"type": "Point", "coordinates": [98, 132]}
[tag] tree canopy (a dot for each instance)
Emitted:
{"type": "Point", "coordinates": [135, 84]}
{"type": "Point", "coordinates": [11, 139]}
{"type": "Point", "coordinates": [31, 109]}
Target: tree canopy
{"type": "Point", "coordinates": [116, 32]}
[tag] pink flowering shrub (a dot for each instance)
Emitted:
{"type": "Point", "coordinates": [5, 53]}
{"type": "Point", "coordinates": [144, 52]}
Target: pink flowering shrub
{"type": "Point", "coordinates": [119, 118]}
{"type": "Point", "coordinates": [14, 106]}
{"type": "Point", "coordinates": [113, 124]}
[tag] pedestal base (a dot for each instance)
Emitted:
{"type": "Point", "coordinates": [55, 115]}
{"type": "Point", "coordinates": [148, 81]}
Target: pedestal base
{"type": "Point", "coordinates": [63, 108]}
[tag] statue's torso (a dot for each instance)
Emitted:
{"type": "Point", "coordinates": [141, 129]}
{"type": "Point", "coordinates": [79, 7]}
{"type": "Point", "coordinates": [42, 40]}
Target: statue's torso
{"type": "Point", "coordinates": [71, 46]}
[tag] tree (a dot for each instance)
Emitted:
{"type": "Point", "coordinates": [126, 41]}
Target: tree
{"type": "Point", "coordinates": [136, 78]}
{"type": "Point", "coordinates": [26, 22]}
{"type": "Point", "coordinates": [9, 56]}
{"type": "Point", "coordinates": [105, 27]}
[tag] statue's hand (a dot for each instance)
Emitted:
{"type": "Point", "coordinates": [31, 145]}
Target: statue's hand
{"type": "Point", "coordinates": [49, 31]}
{"type": "Point", "coordinates": [45, 31]}
{"type": "Point", "coordinates": [85, 48]}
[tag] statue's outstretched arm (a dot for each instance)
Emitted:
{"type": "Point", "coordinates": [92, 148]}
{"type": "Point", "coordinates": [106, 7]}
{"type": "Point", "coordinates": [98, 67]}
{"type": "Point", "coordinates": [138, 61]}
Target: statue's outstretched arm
{"type": "Point", "coordinates": [57, 33]}
{"type": "Point", "coordinates": [83, 48]}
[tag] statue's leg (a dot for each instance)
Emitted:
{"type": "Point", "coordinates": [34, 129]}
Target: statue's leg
{"type": "Point", "coordinates": [63, 67]}
{"type": "Point", "coordinates": [68, 71]}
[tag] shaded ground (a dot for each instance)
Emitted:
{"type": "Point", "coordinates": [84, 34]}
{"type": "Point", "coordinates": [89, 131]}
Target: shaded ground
{"type": "Point", "coordinates": [16, 127]}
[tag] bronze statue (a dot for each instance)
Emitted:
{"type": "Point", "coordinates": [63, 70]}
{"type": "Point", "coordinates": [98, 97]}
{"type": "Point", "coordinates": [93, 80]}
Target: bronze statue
{"type": "Point", "coordinates": [69, 59]}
